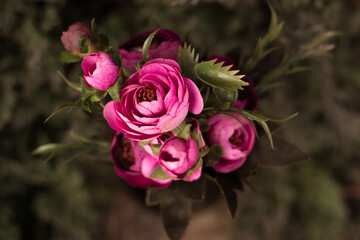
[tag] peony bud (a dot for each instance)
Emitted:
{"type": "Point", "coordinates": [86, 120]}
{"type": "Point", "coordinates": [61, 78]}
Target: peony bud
{"type": "Point", "coordinates": [100, 71]}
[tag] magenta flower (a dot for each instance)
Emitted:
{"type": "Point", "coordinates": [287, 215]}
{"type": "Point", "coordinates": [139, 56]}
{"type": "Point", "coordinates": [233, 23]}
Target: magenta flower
{"type": "Point", "coordinates": [100, 71]}
{"type": "Point", "coordinates": [164, 45]}
{"type": "Point", "coordinates": [177, 157]}
{"type": "Point", "coordinates": [153, 102]}
{"type": "Point", "coordinates": [134, 164]}
{"type": "Point", "coordinates": [247, 96]}
{"type": "Point", "coordinates": [70, 38]}
{"type": "Point", "coordinates": [165, 136]}
{"type": "Point", "coordinates": [237, 140]}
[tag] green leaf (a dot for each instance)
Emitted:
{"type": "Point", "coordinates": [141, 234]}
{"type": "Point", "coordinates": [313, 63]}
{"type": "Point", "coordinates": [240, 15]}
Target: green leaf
{"type": "Point", "coordinates": [227, 183]}
{"type": "Point", "coordinates": [283, 153]}
{"type": "Point", "coordinates": [81, 139]}
{"type": "Point", "coordinates": [155, 148]}
{"type": "Point", "coordinates": [320, 38]}
{"type": "Point", "coordinates": [127, 74]}
{"type": "Point", "coordinates": [215, 152]}
{"type": "Point", "coordinates": [226, 95]}
{"type": "Point", "coordinates": [114, 90]}
{"type": "Point", "coordinates": [73, 85]}
{"type": "Point", "coordinates": [147, 44]}
{"type": "Point", "coordinates": [60, 108]}
{"type": "Point", "coordinates": [158, 173]}
{"type": "Point", "coordinates": [68, 57]}
{"type": "Point", "coordinates": [98, 96]}
{"type": "Point", "coordinates": [274, 28]}
{"type": "Point", "coordinates": [256, 116]}
{"type": "Point", "coordinates": [204, 125]}
{"type": "Point", "coordinates": [49, 148]}
{"type": "Point", "coordinates": [83, 40]}
{"type": "Point", "coordinates": [94, 28]}
{"type": "Point", "coordinates": [175, 208]}
{"type": "Point", "coordinates": [185, 133]}
{"type": "Point", "coordinates": [179, 128]}
{"type": "Point", "coordinates": [197, 137]}
{"type": "Point", "coordinates": [220, 77]}
{"type": "Point", "coordinates": [143, 143]}
{"type": "Point", "coordinates": [264, 125]}
{"type": "Point", "coordinates": [198, 164]}
{"type": "Point", "coordinates": [86, 91]}
{"type": "Point", "coordinates": [187, 60]}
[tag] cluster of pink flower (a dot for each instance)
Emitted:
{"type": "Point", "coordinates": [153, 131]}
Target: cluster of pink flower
{"type": "Point", "coordinates": [156, 120]}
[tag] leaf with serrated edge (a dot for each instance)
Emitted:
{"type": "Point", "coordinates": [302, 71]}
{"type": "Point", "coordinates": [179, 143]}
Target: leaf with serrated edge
{"type": "Point", "coordinates": [217, 76]}
{"type": "Point", "coordinates": [187, 60]}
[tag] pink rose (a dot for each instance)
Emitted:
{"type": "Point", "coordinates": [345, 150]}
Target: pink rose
{"type": "Point", "coordinates": [100, 71]}
{"type": "Point", "coordinates": [134, 164]}
{"type": "Point", "coordinates": [164, 45]}
{"type": "Point", "coordinates": [70, 38]}
{"type": "Point", "coordinates": [177, 157]}
{"type": "Point", "coordinates": [248, 97]}
{"type": "Point", "coordinates": [237, 140]}
{"type": "Point", "coordinates": [153, 102]}
{"type": "Point", "coordinates": [165, 136]}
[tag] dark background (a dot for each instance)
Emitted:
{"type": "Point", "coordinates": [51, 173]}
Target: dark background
{"type": "Point", "coordinates": [82, 197]}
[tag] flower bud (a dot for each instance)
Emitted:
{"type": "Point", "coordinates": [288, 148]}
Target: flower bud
{"type": "Point", "coordinates": [100, 71]}
{"type": "Point", "coordinates": [70, 38]}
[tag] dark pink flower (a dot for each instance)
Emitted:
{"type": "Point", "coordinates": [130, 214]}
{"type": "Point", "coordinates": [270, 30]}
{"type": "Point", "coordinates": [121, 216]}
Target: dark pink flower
{"type": "Point", "coordinates": [164, 45]}
{"type": "Point", "coordinates": [248, 96]}
{"type": "Point", "coordinates": [177, 156]}
{"type": "Point", "coordinates": [134, 164]}
{"type": "Point", "coordinates": [70, 38]}
{"type": "Point", "coordinates": [100, 71]}
{"type": "Point", "coordinates": [165, 136]}
{"type": "Point", "coordinates": [154, 101]}
{"type": "Point", "coordinates": [237, 140]}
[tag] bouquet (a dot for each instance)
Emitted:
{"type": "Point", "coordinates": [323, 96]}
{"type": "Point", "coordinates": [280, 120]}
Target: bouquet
{"type": "Point", "coordinates": [180, 120]}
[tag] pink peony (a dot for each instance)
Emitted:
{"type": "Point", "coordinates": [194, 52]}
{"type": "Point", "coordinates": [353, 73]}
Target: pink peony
{"type": "Point", "coordinates": [100, 71]}
{"type": "Point", "coordinates": [177, 157]}
{"type": "Point", "coordinates": [237, 140]}
{"type": "Point", "coordinates": [248, 97]}
{"type": "Point", "coordinates": [153, 102]}
{"type": "Point", "coordinates": [133, 163]}
{"type": "Point", "coordinates": [70, 38]}
{"type": "Point", "coordinates": [164, 45]}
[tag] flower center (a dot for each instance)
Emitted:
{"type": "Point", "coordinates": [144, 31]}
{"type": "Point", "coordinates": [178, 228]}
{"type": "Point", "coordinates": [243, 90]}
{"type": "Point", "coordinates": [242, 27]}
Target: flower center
{"type": "Point", "coordinates": [125, 154]}
{"type": "Point", "coordinates": [236, 139]}
{"type": "Point", "coordinates": [146, 94]}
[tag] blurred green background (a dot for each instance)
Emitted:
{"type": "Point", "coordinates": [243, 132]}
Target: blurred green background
{"type": "Point", "coordinates": [82, 197]}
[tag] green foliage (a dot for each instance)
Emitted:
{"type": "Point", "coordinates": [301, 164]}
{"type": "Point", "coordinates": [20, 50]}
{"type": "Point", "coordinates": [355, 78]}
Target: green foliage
{"type": "Point", "coordinates": [187, 60]}
{"type": "Point", "coordinates": [176, 203]}
{"type": "Point", "coordinates": [217, 76]}
{"type": "Point", "coordinates": [146, 45]}
{"type": "Point", "coordinates": [158, 173]}
{"type": "Point", "coordinates": [68, 57]}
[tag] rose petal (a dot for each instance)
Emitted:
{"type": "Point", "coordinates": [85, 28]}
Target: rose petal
{"type": "Point", "coordinates": [196, 102]}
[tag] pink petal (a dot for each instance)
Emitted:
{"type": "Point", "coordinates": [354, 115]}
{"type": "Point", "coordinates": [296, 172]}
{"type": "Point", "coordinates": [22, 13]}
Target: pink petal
{"type": "Point", "coordinates": [196, 102]}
